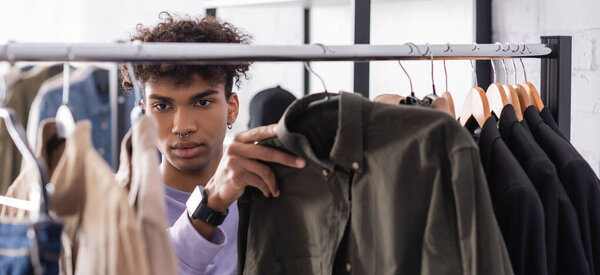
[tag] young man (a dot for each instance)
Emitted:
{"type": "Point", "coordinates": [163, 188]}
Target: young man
{"type": "Point", "coordinates": [194, 106]}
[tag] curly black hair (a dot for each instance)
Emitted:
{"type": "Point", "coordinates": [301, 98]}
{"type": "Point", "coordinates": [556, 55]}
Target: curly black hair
{"type": "Point", "coordinates": [188, 29]}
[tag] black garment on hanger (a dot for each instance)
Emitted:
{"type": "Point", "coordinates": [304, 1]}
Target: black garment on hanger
{"type": "Point", "coordinates": [549, 120]}
{"type": "Point", "coordinates": [267, 106]}
{"type": "Point", "coordinates": [517, 206]}
{"type": "Point", "coordinates": [564, 246]}
{"type": "Point", "coordinates": [579, 181]}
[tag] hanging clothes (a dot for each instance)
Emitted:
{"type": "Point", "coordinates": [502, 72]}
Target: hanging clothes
{"type": "Point", "coordinates": [517, 206]}
{"type": "Point", "coordinates": [549, 120]}
{"type": "Point", "coordinates": [139, 173]}
{"type": "Point", "coordinates": [578, 179]}
{"type": "Point", "coordinates": [100, 233]}
{"type": "Point", "coordinates": [24, 253]}
{"type": "Point", "coordinates": [267, 106]}
{"type": "Point", "coordinates": [89, 99]}
{"type": "Point", "coordinates": [402, 186]}
{"type": "Point", "coordinates": [19, 98]}
{"type": "Point", "coordinates": [563, 239]}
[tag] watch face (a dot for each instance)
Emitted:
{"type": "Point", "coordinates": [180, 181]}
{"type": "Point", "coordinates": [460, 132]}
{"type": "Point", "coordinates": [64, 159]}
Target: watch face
{"type": "Point", "coordinates": [194, 200]}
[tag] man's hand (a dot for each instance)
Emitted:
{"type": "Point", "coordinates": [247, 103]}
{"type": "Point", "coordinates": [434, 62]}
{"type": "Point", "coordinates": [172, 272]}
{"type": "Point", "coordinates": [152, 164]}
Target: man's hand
{"type": "Point", "coordinates": [240, 168]}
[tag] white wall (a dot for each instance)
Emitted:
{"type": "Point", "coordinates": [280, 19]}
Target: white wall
{"type": "Point", "coordinates": [515, 20]}
{"type": "Point", "coordinates": [83, 20]}
{"type": "Point", "coordinates": [279, 25]}
{"type": "Point", "coordinates": [420, 22]}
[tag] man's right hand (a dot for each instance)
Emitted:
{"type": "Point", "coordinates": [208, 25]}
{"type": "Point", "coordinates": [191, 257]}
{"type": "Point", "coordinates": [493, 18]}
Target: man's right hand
{"type": "Point", "coordinates": [240, 167]}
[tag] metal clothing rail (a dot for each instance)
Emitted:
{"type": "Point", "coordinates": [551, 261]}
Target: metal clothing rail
{"type": "Point", "coordinates": [212, 53]}
{"type": "Point", "coordinates": [555, 52]}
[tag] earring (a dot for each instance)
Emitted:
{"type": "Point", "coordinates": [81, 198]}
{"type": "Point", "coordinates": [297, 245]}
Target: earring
{"type": "Point", "coordinates": [229, 126]}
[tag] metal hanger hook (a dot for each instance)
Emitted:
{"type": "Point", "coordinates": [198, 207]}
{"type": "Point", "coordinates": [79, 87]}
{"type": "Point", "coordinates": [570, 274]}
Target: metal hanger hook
{"type": "Point", "coordinates": [66, 71]}
{"type": "Point", "coordinates": [432, 79]}
{"type": "Point", "coordinates": [474, 73]}
{"type": "Point", "coordinates": [524, 70]}
{"type": "Point", "coordinates": [412, 92]}
{"type": "Point", "coordinates": [449, 49]}
{"type": "Point", "coordinates": [325, 49]}
{"type": "Point", "coordinates": [515, 69]}
{"type": "Point", "coordinates": [3, 89]}
{"type": "Point", "coordinates": [475, 47]}
{"type": "Point", "coordinates": [493, 69]}
{"type": "Point", "coordinates": [518, 47]}
{"type": "Point", "coordinates": [411, 44]}
{"type": "Point", "coordinates": [317, 75]}
{"type": "Point", "coordinates": [505, 71]}
{"type": "Point", "coordinates": [507, 48]}
{"type": "Point", "coordinates": [499, 46]}
{"type": "Point", "coordinates": [525, 47]}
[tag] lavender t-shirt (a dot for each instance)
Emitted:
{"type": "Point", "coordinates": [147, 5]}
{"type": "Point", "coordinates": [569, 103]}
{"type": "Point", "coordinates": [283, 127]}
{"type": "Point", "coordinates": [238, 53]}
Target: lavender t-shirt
{"type": "Point", "coordinates": [194, 253]}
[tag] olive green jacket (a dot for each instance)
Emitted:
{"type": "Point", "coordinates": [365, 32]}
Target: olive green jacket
{"type": "Point", "coordinates": [386, 190]}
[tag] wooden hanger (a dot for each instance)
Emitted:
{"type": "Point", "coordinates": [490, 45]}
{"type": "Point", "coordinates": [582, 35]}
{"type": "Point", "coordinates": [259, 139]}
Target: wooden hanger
{"type": "Point", "coordinates": [495, 94]}
{"type": "Point", "coordinates": [450, 101]}
{"type": "Point", "coordinates": [524, 99]}
{"type": "Point", "coordinates": [513, 99]}
{"type": "Point", "coordinates": [533, 94]}
{"type": "Point", "coordinates": [477, 106]}
{"type": "Point", "coordinates": [530, 89]}
{"type": "Point", "coordinates": [511, 93]}
{"type": "Point", "coordinates": [447, 95]}
{"type": "Point", "coordinates": [496, 98]}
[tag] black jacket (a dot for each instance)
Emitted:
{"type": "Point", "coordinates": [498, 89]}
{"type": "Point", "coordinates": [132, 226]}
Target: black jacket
{"type": "Point", "coordinates": [578, 179]}
{"type": "Point", "coordinates": [549, 120]}
{"type": "Point", "coordinates": [564, 248]}
{"type": "Point", "coordinates": [517, 206]}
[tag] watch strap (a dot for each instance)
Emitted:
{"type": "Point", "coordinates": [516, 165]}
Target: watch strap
{"type": "Point", "coordinates": [199, 210]}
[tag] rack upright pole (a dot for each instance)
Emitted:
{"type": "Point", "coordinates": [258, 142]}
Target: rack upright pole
{"type": "Point", "coordinates": [362, 35]}
{"type": "Point", "coordinates": [556, 81]}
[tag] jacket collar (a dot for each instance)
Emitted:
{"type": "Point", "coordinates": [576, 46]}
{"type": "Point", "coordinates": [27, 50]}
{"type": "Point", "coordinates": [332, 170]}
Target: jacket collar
{"type": "Point", "coordinates": [532, 117]}
{"type": "Point", "coordinates": [489, 136]}
{"type": "Point", "coordinates": [508, 118]}
{"type": "Point", "coordinates": [347, 150]}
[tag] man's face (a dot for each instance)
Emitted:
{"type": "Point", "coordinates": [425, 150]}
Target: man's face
{"type": "Point", "coordinates": [192, 121]}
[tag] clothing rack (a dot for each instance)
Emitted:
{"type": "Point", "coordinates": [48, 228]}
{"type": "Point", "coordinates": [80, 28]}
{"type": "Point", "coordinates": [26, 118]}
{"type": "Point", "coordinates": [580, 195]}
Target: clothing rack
{"type": "Point", "coordinates": [213, 53]}
{"type": "Point", "coordinates": [555, 52]}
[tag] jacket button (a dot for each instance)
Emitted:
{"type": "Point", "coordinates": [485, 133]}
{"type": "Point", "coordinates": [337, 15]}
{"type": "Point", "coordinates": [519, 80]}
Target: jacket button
{"type": "Point", "coordinates": [325, 172]}
{"type": "Point", "coordinates": [348, 266]}
{"type": "Point", "coordinates": [355, 165]}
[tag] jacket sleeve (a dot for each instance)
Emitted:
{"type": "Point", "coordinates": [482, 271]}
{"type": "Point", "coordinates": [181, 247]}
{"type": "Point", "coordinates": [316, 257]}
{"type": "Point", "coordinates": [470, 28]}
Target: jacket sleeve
{"type": "Point", "coordinates": [193, 252]}
{"type": "Point", "coordinates": [482, 248]}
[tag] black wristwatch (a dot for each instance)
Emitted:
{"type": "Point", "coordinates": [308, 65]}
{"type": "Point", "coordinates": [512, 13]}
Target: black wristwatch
{"type": "Point", "coordinates": [198, 209]}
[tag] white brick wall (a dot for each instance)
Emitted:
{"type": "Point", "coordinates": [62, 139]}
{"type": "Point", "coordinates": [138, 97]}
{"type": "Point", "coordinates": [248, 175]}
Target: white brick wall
{"type": "Point", "coordinates": [526, 20]}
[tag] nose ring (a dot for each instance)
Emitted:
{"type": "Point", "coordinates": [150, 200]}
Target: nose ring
{"type": "Point", "coordinates": [182, 136]}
